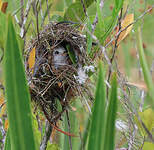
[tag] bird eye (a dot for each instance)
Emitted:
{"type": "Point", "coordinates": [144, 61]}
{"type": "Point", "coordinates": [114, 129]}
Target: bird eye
{"type": "Point", "coordinates": [56, 52]}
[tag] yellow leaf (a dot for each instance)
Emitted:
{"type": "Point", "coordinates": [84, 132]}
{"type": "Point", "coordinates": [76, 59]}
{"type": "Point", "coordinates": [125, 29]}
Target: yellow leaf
{"type": "Point", "coordinates": [0, 4]}
{"type": "Point", "coordinates": [148, 146]}
{"type": "Point", "coordinates": [6, 125]}
{"type": "Point", "coordinates": [2, 105]}
{"type": "Point", "coordinates": [148, 119]}
{"type": "Point", "coordinates": [1, 99]}
{"type": "Point", "coordinates": [127, 20]}
{"type": "Point", "coordinates": [31, 59]}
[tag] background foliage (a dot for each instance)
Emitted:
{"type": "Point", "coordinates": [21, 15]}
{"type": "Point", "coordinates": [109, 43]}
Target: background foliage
{"type": "Point", "coordinates": [122, 32]}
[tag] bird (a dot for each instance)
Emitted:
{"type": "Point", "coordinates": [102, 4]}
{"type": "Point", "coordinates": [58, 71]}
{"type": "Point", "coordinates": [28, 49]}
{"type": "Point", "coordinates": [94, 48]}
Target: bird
{"type": "Point", "coordinates": [60, 57]}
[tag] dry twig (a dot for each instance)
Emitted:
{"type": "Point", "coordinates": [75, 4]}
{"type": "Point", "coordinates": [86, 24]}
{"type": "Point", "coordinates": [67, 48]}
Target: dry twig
{"type": "Point", "coordinates": [46, 137]}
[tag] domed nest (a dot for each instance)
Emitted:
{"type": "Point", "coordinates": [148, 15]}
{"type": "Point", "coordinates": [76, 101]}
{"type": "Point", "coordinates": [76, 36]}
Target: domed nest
{"type": "Point", "coordinates": [58, 74]}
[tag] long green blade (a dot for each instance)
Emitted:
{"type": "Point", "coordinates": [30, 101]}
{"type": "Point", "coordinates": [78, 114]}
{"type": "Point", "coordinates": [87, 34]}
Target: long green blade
{"type": "Point", "coordinates": [111, 116]}
{"type": "Point", "coordinates": [145, 69]}
{"type": "Point", "coordinates": [115, 12]}
{"type": "Point", "coordinates": [2, 29]}
{"type": "Point", "coordinates": [7, 141]}
{"type": "Point", "coordinates": [17, 95]}
{"type": "Point", "coordinates": [100, 18]}
{"type": "Point", "coordinates": [98, 115]}
{"type": "Point", "coordinates": [85, 136]}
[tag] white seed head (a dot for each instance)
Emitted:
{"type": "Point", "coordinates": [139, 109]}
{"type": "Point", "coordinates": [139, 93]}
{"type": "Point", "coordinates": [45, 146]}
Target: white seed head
{"type": "Point", "coordinates": [82, 76]}
{"type": "Point", "coordinates": [121, 125]}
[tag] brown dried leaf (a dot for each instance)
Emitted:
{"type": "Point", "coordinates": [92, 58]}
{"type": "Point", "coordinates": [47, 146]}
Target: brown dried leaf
{"type": "Point", "coordinates": [4, 7]}
{"type": "Point", "coordinates": [128, 20]}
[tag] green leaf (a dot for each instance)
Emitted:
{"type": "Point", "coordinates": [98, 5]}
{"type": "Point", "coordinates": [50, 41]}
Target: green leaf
{"type": "Point", "coordinates": [87, 3]}
{"type": "Point", "coordinates": [145, 69]}
{"type": "Point", "coordinates": [7, 142]}
{"type": "Point", "coordinates": [17, 95]}
{"type": "Point", "coordinates": [68, 2]}
{"type": "Point", "coordinates": [85, 135]}
{"type": "Point", "coordinates": [58, 105]}
{"type": "Point", "coordinates": [2, 29]}
{"type": "Point", "coordinates": [74, 128]}
{"type": "Point", "coordinates": [14, 5]}
{"type": "Point", "coordinates": [52, 147]}
{"type": "Point", "coordinates": [57, 18]}
{"type": "Point", "coordinates": [115, 12]}
{"type": "Point", "coordinates": [71, 54]}
{"type": "Point", "coordinates": [75, 13]}
{"type": "Point", "coordinates": [148, 146]}
{"type": "Point", "coordinates": [116, 2]}
{"type": "Point", "coordinates": [111, 117]}
{"type": "Point", "coordinates": [100, 19]}
{"type": "Point", "coordinates": [46, 13]}
{"type": "Point", "coordinates": [98, 115]}
{"type": "Point", "coordinates": [148, 120]}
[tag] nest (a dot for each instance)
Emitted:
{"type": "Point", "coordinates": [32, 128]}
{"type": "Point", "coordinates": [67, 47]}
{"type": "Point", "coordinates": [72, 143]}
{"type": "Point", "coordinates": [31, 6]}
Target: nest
{"type": "Point", "coordinates": [60, 56]}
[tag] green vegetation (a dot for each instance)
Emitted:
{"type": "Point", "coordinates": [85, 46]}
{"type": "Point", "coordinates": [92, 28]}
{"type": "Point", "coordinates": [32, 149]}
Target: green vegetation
{"type": "Point", "coordinates": [114, 113]}
{"type": "Point", "coordinates": [18, 99]}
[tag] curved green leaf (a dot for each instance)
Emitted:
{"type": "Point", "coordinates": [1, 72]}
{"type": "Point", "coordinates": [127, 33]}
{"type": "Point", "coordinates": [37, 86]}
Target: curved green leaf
{"type": "Point", "coordinates": [17, 95]}
{"type": "Point", "coordinates": [111, 116]}
{"type": "Point", "coordinates": [98, 115]}
{"type": "Point", "coordinates": [7, 141]}
{"type": "Point", "coordinates": [145, 69]}
{"type": "Point", "coordinates": [75, 12]}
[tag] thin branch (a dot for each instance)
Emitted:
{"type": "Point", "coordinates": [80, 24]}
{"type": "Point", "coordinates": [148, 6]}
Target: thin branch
{"type": "Point", "coordinates": [41, 11]}
{"type": "Point", "coordinates": [22, 11]}
{"type": "Point", "coordinates": [2, 87]}
{"type": "Point", "coordinates": [135, 112]}
{"type": "Point", "coordinates": [3, 134]}
{"type": "Point", "coordinates": [142, 143]}
{"type": "Point", "coordinates": [114, 50]}
{"type": "Point", "coordinates": [84, 8]}
{"type": "Point", "coordinates": [69, 129]}
{"type": "Point", "coordinates": [140, 17]}
{"type": "Point", "coordinates": [27, 28]}
{"type": "Point", "coordinates": [17, 20]}
{"type": "Point", "coordinates": [37, 21]}
{"type": "Point", "coordinates": [94, 23]}
{"type": "Point", "coordinates": [96, 17]}
{"type": "Point", "coordinates": [1, 58]}
{"type": "Point", "coordinates": [46, 137]}
{"type": "Point", "coordinates": [15, 15]}
{"type": "Point", "coordinates": [132, 135]}
{"type": "Point", "coordinates": [115, 45]}
{"type": "Point", "coordinates": [152, 67]}
{"type": "Point", "coordinates": [22, 30]}
{"type": "Point", "coordinates": [116, 41]}
{"type": "Point", "coordinates": [48, 10]}
{"type": "Point", "coordinates": [142, 100]}
{"type": "Point", "coordinates": [147, 131]}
